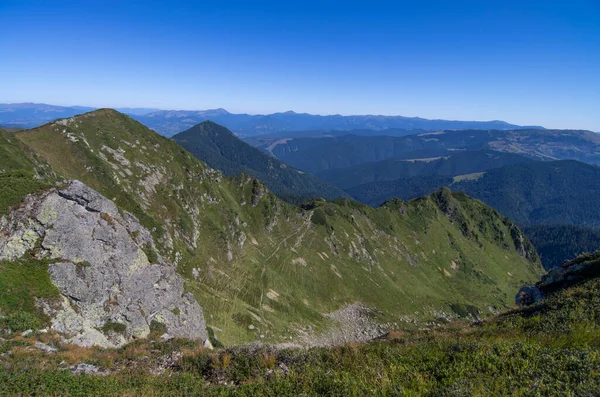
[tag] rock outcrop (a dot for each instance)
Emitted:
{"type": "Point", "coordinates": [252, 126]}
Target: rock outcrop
{"type": "Point", "coordinates": [115, 285]}
{"type": "Point", "coordinates": [583, 267]}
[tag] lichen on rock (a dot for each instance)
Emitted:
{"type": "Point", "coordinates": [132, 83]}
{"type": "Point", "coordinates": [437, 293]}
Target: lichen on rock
{"type": "Point", "coordinates": [101, 268]}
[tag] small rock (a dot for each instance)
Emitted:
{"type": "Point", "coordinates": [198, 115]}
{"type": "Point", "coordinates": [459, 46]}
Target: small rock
{"type": "Point", "coordinates": [43, 331]}
{"type": "Point", "coordinates": [251, 327]}
{"type": "Point", "coordinates": [46, 348]}
{"type": "Point", "coordinates": [284, 368]}
{"type": "Point", "coordinates": [528, 296]}
{"type": "Point", "coordinates": [28, 332]}
{"type": "Point", "coordinates": [262, 337]}
{"type": "Point", "coordinates": [208, 345]}
{"type": "Point", "coordinates": [166, 337]}
{"type": "Point", "coordinates": [83, 368]}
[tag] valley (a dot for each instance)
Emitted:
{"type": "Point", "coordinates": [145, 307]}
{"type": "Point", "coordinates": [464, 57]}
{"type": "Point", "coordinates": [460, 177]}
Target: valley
{"type": "Point", "coordinates": [265, 270]}
{"type": "Point", "coordinates": [278, 281]}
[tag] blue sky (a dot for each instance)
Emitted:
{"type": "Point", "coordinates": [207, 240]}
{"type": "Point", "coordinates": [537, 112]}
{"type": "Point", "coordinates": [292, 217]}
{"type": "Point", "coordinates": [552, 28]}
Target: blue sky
{"type": "Point", "coordinates": [526, 62]}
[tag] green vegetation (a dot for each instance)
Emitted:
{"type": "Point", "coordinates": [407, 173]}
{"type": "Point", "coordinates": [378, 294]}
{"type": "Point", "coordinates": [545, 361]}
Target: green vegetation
{"type": "Point", "coordinates": [550, 348]}
{"type": "Point", "coordinates": [556, 201]}
{"type": "Point", "coordinates": [541, 193]}
{"type": "Point", "coordinates": [329, 153]}
{"type": "Point", "coordinates": [15, 186]}
{"type": "Point", "coordinates": [158, 327]}
{"type": "Point", "coordinates": [21, 172]}
{"type": "Point", "coordinates": [377, 193]}
{"type": "Point", "coordinates": [251, 259]}
{"type": "Point", "coordinates": [531, 193]}
{"type": "Point", "coordinates": [558, 243]}
{"type": "Point", "coordinates": [219, 148]}
{"type": "Point", "coordinates": [411, 165]}
{"type": "Point", "coordinates": [113, 326]}
{"type": "Point", "coordinates": [21, 283]}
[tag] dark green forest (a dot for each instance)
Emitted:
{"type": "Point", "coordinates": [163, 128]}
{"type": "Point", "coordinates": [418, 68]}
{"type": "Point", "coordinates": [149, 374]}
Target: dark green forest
{"type": "Point", "coordinates": [558, 243]}
{"type": "Point", "coordinates": [219, 148]}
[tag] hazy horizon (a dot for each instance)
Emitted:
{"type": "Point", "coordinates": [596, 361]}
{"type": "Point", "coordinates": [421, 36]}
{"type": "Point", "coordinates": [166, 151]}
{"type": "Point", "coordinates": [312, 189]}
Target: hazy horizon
{"type": "Point", "coordinates": [533, 63]}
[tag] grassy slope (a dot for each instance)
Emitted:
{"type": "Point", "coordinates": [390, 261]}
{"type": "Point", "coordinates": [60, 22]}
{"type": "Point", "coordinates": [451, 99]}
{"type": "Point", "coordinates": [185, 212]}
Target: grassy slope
{"type": "Point", "coordinates": [21, 172]}
{"type": "Point", "coordinates": [398, 258]}
{"type": "Point", "coordinates": [21, 282]}
{"type": "Point", "coordinates": [220, 149]}
{"type": "Point", "coordinates": [551, 348]}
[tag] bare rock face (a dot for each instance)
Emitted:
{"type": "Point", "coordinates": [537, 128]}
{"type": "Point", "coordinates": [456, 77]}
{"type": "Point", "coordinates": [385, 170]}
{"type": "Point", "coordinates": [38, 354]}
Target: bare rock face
{"type": "Point", "coordinates": [114, 283]}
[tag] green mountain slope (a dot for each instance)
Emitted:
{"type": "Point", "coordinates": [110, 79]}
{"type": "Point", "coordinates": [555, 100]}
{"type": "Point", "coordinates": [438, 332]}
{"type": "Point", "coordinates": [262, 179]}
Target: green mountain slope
{"type": "Point", "coordinates": [263, 269]}
{"type": "Point", "coordinates": [549, 348]}
{"type": "Point", "coordinates": [376, 193]}
{"type": "Point", "coordinates": [219, 148]}
{"type": "Point", "coordinates": [21, 171]}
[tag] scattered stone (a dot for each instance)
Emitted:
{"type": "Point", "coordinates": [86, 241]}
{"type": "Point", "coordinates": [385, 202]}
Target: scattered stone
{"type": "Point", "coordinates": [46, 348]}
{"type": "Point", "coordinates": [208, 344]}
{"type": "Point", "coordinates": [355, 323]}
{"type": "Point", "coordinates": [166, 337]}
{"type": "Point", "coordinates": [28, 332]}
{"type": "Point", "coordinates": [88, 369]}
{"type": "Point", "coordinates": [251, 327]}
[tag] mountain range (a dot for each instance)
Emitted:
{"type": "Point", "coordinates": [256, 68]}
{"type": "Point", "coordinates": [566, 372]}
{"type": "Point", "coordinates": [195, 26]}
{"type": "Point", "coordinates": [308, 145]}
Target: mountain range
{"type": "Point", "coordinates": [171, 122]}
{"type": "Point", "coordinates": [125, 259]}
{"type": "Point", "coordinates": [259, 268]}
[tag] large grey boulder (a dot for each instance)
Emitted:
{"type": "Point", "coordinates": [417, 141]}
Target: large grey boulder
{"type": "Point", "coordinates": [114, 283]}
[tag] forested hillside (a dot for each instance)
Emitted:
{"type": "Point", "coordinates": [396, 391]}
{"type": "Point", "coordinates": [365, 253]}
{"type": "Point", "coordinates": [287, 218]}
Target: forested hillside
{"type": "Point", "coordinates": [219, 148]}
{"type": "Point", "coordinates": [558, 243]}
{"type": "Point", "coordinates": [451, 164]}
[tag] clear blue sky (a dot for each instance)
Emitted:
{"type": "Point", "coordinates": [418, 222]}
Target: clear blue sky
{"type": "Point", "coordinates": [525, 61]}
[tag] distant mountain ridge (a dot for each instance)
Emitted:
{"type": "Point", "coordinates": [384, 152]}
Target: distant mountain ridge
{"type": "Point", "coordinates": [170, 122]}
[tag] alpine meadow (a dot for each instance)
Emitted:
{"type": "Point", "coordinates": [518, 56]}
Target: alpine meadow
{"type": "Point", "coordinates": [424, 221]}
